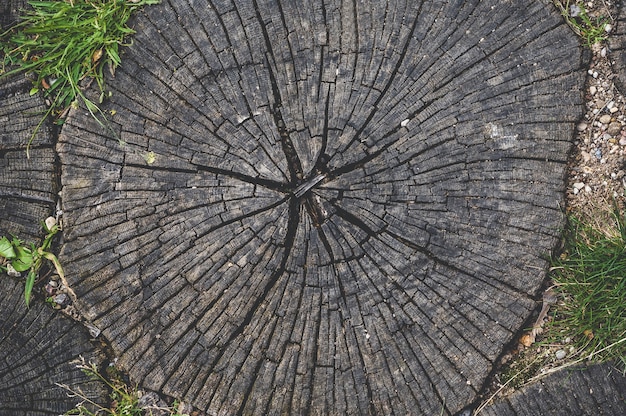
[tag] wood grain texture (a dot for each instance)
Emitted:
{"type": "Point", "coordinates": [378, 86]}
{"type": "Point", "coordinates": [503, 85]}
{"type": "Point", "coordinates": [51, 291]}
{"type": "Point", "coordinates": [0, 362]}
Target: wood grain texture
{"type": "Point", "coordinates": [28, 186]}
{"type": "Point", "coordinates": [599, 389]}
{"type": "Point", "coordinates": [38, 347]}
{"type": "Point", "coordinates": [350, 206]}
{"type": "Point", "coordinates": [10, 11]}
{"type": "Point", "coordinates": [617, 45]}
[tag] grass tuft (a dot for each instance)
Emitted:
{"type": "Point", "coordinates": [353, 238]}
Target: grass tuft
{"type": "Point", "coordinates": [591, 277]}
{"type": "Point", "coordinates": [591, 29]}
{"type": "Point", "coordinates": [65, 45]}
{"type": "Point", "coordinates": [125, 401]}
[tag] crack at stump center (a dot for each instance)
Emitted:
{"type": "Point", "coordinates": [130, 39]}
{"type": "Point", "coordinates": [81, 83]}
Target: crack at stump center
{"type": "Point", "coordinates": [308, 185]}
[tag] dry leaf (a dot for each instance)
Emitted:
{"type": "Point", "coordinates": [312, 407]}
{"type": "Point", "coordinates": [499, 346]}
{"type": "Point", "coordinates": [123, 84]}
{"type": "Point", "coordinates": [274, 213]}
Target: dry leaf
{"type": "Point", "coordinates": [526, 340]}
{"type": "Point", "coordinates": [96, 56]}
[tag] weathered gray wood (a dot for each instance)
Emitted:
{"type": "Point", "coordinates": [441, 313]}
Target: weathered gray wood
{"type": "Point", "coordinates": [28, 186]}
{"type": "Point", "coordinates": [595, 390]}
{"type": "Point", "coordinates": [10, 11]}
{"type": "Point", "coordinates": [228, 274]}
{"type": "Point", "coordinates": [617, 44]}
{"type": "Point", "coordinates": [38, 347]}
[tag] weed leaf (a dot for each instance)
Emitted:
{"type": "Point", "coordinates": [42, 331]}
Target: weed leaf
{"type": "Point", "coordinates": [53, 259]}
{"type": "Point", "coordinates": [6, 248]}
{"type": "Point", "coordinates": [23, 259]}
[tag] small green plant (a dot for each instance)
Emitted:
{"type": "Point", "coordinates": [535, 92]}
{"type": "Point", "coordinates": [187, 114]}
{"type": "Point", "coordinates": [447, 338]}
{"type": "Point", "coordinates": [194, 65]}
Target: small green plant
{"type": "Point", "coordinates": [125, 401]}
{"type": "Point", "coordinates": [591, 277]}
{"type": "Point", "coordinates": [591, 30]}
{"type": "Point", "coordinates": [16, 257]}
{"type": "Point", "coordinates": [65, 44]}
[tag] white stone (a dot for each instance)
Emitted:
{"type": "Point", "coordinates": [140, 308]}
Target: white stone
{"type": "Point", "coordinates": [585, 155]}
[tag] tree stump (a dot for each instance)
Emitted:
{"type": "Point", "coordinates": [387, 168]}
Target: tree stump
{"type": "Point", "coordinates": [10, 11]}
{"type": "Point", "coordinates": [599, 389]}
{"type": "Point", "coordinates": [617, 43]}
{"type": "Point", "coordinates": [38, 349]}
{"type": "Point", "coordinates": [28, 186]}
{"type": "Point", "coordinates": [324, 208]}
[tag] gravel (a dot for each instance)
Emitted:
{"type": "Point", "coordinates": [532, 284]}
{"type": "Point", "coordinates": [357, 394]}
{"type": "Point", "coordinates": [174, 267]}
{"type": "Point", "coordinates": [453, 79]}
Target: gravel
{"type": "Point", "coordinates": [597, 171]}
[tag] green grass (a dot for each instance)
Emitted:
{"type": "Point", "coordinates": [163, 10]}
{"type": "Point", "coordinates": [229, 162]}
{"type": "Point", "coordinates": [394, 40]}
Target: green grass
{"type": "Point", "coordinates": [591, 278]}
{"type": "Point", "coordinates": [124, 399]}
{"type": "Point", "coordinates": [591, 29]}
{"type": "Point", "coordinates": [17, 257]}
{"type": "Point", "coordinates": [67, 44]}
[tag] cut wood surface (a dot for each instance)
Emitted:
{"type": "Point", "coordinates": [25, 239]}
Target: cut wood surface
{"type": "Point", "coordinates": [28, 186]}
{"type": "Point", "coordinates": [595, 390]}
{"type": "Point", "coordinates": [617, 44]}
{"type": "Point", "coordinates": [349, 205]}
{"type": "Point", "coordinates": [38, 346]}
{"type": "Point", "coordinates": [10, 11]}
{"type": "Point", "coordinates": [38, 349]}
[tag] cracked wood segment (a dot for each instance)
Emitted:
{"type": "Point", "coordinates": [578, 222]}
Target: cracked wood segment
{"type": "Point", "coordinates": [27, 185]}
{"type": "Point", "coordinates": [38, 347]}
{"type": "Point", "coordinates": [350, 205]}
{"type": "Point", "coordinates": [598, 389]}
{"type": "Point", "coordinates": [617, 44]}
{"type": "Point", "coordinates": [10, 11]}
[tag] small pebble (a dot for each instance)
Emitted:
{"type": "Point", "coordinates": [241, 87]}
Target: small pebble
{"type": "Point", "coordinates": [578, 185]}
{"type": "Point", "coordinates": [50, 222]}
{"type": "Point", "coordinates": [582, 127]}
{"type": "Point", "coordinates": [61, 299]}
{"type": "Point", "coordinates": [614, 110]}
{"type": "Point", "coordinates": [608, 28]}
{"type": "Point", "coordinates": [588, 189]}
{"type": "Point", "coordinates": [598, 154]}
{"type": "Point", "coordinates": [622, 141]}
{"type": "Point", "coordinates": [560, 354]}
{"type": "Point", "coordinates": [593, 90]}
{"type": "Point", "coordinates": [585, 155]}
{"type": "Point", "coordinates": [603, 52]}
{"type": "Point", "coordinates": [605, 119]}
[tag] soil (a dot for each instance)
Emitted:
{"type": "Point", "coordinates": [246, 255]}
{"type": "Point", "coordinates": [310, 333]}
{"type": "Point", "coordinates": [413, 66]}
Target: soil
{"type": "Point", "coordinates": [597, 171]}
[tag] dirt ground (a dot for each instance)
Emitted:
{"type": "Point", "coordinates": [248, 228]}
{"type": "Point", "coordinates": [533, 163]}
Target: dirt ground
{"type": "Point", "coordinates": [597, 171]}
